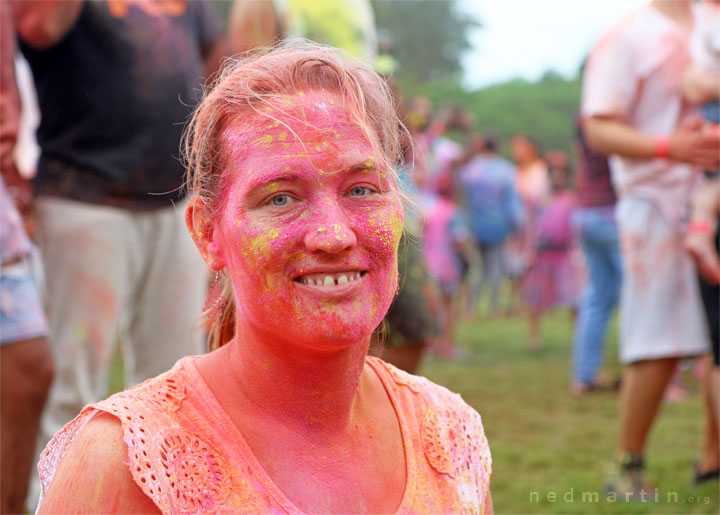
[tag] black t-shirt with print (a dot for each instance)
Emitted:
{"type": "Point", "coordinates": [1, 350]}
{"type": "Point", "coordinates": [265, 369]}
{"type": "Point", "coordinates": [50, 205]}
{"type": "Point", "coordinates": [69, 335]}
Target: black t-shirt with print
{"type": "Point", "coordinates": [114, 94]}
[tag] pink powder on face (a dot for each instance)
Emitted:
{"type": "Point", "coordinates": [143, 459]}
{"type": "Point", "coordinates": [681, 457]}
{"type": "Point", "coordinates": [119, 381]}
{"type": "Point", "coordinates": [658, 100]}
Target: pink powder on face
{"type": "Point", "coordinates": [306, 196]}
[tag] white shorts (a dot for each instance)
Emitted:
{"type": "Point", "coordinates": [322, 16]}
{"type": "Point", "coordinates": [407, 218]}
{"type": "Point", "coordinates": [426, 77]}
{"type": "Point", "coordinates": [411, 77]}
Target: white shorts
{"type": "Point", "coordinates": [661, 313]}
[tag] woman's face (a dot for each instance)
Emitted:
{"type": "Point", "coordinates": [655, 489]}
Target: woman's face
{"type": "Point", "coordinates": [523, 151]}
{"type": "Point", "coordinates": [310, 224]}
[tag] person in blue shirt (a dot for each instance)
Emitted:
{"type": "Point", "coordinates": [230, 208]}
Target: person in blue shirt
{"type": "Point", "coordinates": [494, 210]}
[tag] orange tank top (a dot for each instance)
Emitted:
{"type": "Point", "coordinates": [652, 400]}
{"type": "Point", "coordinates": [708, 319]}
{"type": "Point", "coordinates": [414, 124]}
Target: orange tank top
{"type": "Point", "coordinates": [188, 457]}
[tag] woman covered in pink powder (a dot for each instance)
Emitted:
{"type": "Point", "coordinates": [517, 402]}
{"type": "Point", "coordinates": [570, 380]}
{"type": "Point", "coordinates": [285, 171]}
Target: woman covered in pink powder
{"type": "Point", "coordinates": [296, 207]}
{"type": "Point", "coordinates": [552, 279]}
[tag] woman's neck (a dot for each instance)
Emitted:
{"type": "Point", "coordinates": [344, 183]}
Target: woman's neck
{"type": "Point", "coordinates": [315, 391]}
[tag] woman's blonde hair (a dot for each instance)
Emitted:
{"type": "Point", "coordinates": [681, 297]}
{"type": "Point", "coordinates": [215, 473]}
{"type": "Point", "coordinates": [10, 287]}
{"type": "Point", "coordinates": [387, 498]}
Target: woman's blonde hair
{"type": "Point", "coordinates": [246, 87]}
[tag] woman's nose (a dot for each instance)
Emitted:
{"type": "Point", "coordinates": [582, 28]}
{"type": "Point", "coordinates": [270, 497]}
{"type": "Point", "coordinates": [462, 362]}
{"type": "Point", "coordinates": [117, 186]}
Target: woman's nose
{"type": "Point", "coordinates": [331, 233]}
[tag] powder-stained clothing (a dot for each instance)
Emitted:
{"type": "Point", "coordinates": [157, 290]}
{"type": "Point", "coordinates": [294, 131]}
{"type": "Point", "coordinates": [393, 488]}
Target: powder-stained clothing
{"type": "Point", "coordinates": [634, 74]}
{"type": "Point", "coordinates": [186, 454]}
{"type": "Point", "coordinates": [493, 206]}
{"type": "Point", "coordinates": [660, 304]}
{"type": "Point", "coordinates": [595, 187]}
{"type": "Point", "coordinates": [553, 277]}
{"type": "Point", "coordinates": [114, 95]}
{"type": "Point", "coordinates": [445, 229]}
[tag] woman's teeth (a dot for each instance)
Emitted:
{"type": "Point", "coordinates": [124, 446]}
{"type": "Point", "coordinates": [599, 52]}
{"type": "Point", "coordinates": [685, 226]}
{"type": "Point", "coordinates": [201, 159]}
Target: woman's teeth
{"type": "Point", "coordinates": [331, 280]}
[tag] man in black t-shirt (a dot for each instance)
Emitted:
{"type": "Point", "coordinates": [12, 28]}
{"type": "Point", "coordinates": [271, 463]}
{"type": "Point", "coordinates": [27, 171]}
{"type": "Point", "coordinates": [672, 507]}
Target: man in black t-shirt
{"type": "Point", "coordinates": [115, 81]}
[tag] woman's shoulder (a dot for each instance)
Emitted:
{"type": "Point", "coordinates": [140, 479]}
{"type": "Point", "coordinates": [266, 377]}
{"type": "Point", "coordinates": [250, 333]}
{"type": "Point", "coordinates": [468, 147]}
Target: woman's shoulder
{"type": "Point", "coordinates": [162, 393]}
{"type": "Point", "coordinates": [450, 430]}
{"type": "Point", "coordinates": [430, 394]}
{"type": "Point", "coordinates": [140, 425]}
{"type": "Point", "coordinates": [92, 476]}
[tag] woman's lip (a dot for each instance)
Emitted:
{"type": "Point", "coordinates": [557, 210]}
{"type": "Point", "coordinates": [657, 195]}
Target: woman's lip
{"type": "Point", "coordinates": [336, 290]}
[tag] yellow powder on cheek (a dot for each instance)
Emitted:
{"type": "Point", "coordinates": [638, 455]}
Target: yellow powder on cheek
{"type": "Point", "coordinates": [396, 227]}
{"type": "Point", "coordinates": [260, 246]}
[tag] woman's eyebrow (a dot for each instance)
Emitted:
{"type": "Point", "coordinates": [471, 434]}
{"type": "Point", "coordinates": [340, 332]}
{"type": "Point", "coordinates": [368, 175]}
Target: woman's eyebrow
{"type": "Point", "coordinates": [362, 166]}
{"type": "Point", "coordinates": [266, 180]}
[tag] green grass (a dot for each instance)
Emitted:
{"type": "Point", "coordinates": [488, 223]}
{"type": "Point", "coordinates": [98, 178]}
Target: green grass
{"type": "Point", "coordinates": [546, 442]}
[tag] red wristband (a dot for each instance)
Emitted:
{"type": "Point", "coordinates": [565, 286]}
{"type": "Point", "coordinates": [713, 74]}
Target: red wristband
{"type": "Point", "coordinates": [700, 227]}
{"type": "Point", "coordinates": [662, 147]}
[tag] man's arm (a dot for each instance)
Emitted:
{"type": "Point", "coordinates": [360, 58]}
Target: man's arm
{"type": "Point", "coordinates": [43, 23]}
{"type": "Point", "coordinates": [689, 143]}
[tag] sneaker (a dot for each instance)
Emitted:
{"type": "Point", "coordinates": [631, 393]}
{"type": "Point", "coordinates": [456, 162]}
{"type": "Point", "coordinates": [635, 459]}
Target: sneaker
{"type": "Point", "coordinates": [627, 479]}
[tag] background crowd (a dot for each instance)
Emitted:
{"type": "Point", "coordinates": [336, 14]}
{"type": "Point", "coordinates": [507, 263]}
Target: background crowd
{"type": "Point", "coordinates": [497, 227]}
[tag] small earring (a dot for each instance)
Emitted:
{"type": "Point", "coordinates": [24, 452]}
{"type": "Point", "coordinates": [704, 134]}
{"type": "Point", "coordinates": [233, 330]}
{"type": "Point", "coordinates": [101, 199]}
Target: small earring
{"type": "Point", "coordinates": [215, 302]}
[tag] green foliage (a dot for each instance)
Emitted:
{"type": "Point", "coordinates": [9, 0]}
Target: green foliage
{"type": "Point", "coordinates": [429, 36]}
{"type": "Point", "coordinates": [222, 9]}
{"type": "Point", "coordinates": [544, 110]}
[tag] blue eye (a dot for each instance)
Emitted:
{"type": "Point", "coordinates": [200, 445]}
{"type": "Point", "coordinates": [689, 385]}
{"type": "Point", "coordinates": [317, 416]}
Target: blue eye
{"type": "Point", "coordinates": [280, 200]}
{"type": "Point", "coordinates": [360, 191]}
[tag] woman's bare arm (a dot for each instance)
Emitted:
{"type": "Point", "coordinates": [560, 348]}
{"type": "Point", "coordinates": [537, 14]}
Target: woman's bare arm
{"type": "Point", "coordinates": [93, 476]}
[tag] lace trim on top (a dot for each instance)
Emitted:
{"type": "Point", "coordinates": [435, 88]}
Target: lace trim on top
{"type": "Point", "coordinates": [453, 438]}
{"type": "Point", "coordinates": [179, 471]}
{"type": "Point", "coordinates": [56, 449]}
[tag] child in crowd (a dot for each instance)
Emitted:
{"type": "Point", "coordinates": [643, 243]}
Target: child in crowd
{"type": "Point", "coordinates": [446, 242]}
{"type": "Point", "coordinates": [552, 277]}
{"type": "Point", "coordinates": [701, 84]}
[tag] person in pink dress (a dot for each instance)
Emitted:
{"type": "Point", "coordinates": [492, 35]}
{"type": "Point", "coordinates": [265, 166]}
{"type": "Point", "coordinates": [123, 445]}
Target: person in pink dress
{"type": "Point", "coordinates": [295, 206]}
{"type": "Point", "coordinates": [446, 241]}
{"type": "Point", "coordinates": [552, 279]}
{"type": "Point", "coordinates": [532, 184]}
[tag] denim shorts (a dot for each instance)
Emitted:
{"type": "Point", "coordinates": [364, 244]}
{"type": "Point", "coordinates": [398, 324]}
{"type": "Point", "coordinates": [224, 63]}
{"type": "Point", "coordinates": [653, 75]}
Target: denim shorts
{"type": "Point", "coordinates": [21, 312]}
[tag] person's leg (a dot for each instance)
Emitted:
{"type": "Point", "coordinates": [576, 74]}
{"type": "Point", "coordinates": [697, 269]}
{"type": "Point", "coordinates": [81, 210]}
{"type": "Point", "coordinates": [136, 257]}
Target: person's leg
{"type": "Point", "coordinates": [84, 255]}
{"type": "Point", "coordinates": [26, 369]}
{"type": "Point", "coordinates": [661, 322]}
{"type": "Point", "coordinates": [641, 395]}
{"type": "Point", "coordinates": [493, 256]}
{"type": "Point", "coordinates": [475, 282]}
{"type": "Point", "coordinates": [710, 457]}
{"type": "Point", "coordinates": [169, 295]}
{"type": "Point", "coordinates": [534, 342]}
{"type": "Point", "coordinates": [699, 241]}
{"type": "Point", "coordinates": [600, 244]}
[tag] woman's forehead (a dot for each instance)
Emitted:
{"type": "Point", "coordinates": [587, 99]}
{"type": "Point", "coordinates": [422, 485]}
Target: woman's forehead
{"type": "Point", "coordinates": [315, 125]}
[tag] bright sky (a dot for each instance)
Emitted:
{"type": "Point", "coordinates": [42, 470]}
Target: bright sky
{"type": "Point", "coordinates": [525, 38]}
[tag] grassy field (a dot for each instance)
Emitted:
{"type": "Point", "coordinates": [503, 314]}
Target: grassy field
{"type": "Point", "coordinates": [549, 449]}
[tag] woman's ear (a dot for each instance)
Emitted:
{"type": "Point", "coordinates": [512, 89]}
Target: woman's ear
{"type": "Point", "coordinates": [199, 223]}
